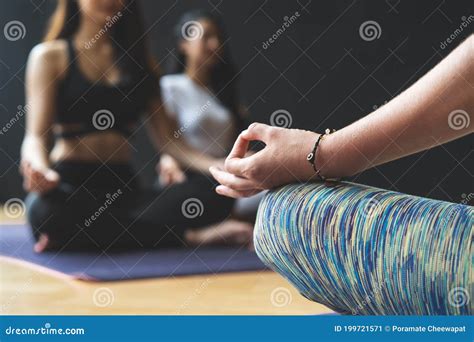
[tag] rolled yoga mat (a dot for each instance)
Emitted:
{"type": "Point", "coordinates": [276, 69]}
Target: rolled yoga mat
{"type": "Point", "coordinates": [368, 251]}
{"type": "Point", "coordinates": [16, 245]}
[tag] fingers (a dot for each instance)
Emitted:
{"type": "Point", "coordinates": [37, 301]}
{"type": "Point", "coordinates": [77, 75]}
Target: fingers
{"type": "Point", "coordinates": [164, 179]}
{"type": "Point", "coordinates": [257, 131]}
{"type": "Point", "coordinates": [39, 180]}
{"type": "Point", "coordinates": [178, 176]}
{"type": "Point", "coordinates": [169, 171]}
{"type": "Point", "coordinates": [171, 175]}
{"type": "Point", "coordinates": [236, 162]}
{"type": "Point", "coordinates": [33, 179]}
{"type": "Point", "coordinates": [240, 147]}
{"type": "Point", "coordinates": [233, 186]}
{"type": "Point", "coordinates": [226, 191]}
{"type": "Point", "coordinates": [231, 181]}
{"type": "Point", "coordinates": [51, 176]}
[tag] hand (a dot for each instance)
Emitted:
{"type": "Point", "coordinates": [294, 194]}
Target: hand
{"type": "Point", "coordinates": [283, 160]}
{"type": "Point", "coordinates": [219, 163]}
{"type": "Point", "coordinates": [38, 179]}
{"type": "Point", "coordinates": [169, 171]}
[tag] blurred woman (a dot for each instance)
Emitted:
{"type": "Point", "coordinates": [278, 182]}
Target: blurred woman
{"type": "Point", "coordinates": [200, 94]}
{"type": "Point", "coordinates": [87, 86]}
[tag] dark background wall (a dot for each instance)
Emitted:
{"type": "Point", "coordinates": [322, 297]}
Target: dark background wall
{"type": "Point", "coordinates": [320, 70]}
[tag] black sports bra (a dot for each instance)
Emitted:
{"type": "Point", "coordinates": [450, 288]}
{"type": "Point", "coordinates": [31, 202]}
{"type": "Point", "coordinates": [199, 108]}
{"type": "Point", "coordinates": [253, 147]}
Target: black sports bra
{"type": "Point", "coordinates": [86, 106]}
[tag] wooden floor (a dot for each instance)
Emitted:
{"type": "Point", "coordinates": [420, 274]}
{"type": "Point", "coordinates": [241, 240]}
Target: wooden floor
{"type": "Point", "coordinates": [24, 290]}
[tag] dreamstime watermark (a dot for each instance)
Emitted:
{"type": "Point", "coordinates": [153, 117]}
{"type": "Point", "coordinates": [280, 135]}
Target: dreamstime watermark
{"type": "Point", "coordinates": [188, 123]}
{"type": "Point", "coordinates": [459, 119]}
{"type": "Point", "coordinates": [457, 209]}
{"type": "Point", "coordinates": [467, 198]}
{"type": "Point", "coordinates": [375, 107]}
{"type": "Point", "coordinates": [14, 208]}
{"type": "Point", "coordinates": [192, 30]}
{"type": "Point", "coordinates": [110, 21]}
{"type": "Point", "coordinates": [452, 213]}
{"type": "Point", "coordinates": [281, 297]}
{"type": "Point", "coordinates": [370, 30]}
{"type": "Point", "coordinates": [47, 329]}
{"type": "Point", "coordinates": [192, 208]}
{"type": "Point", "coordinates": [102, 297]}
{"type": "Point", "coordinates": [103, 119]}
{"type": "Point", "coordinates": [281, 118]}
{"type": "Point", "coordinates": [110, 198]}
{"type": "Point", "coordinates": [368, 299]}
{"type": "Point", "coordinates": [21, 112]}
{"type": "Point", "coordinates": [197, 292]}
{"type": "Point", "coordinates": [466, 21]}
{"type": "Point", "coordinates": [287, 22]}
{"type": "Point", "coordinates": [458, 296]}
{"type": "Point", "coordinates": [378, 287]}
{"type": "Point", "coordinates": [14, 30]}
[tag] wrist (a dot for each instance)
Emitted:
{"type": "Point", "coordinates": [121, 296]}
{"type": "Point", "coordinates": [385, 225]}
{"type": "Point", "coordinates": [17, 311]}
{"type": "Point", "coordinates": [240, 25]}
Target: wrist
{"type": "Point", "coordinates": [319, 158]}
{"type": "Point", "coordinates": [323, 158]}
{"type": "Point", "coordinates": [38, 163]}
{"type": "Point", "coordinates": [305, 169]}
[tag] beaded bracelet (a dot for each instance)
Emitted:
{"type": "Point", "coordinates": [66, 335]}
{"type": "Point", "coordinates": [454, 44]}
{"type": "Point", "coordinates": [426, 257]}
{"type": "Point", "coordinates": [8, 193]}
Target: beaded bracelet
{"type": "Point", "coordinates": [311, 157]}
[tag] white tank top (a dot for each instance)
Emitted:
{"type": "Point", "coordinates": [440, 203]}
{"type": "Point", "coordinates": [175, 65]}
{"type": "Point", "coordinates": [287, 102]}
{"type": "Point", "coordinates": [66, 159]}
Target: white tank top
{"type": "Point", "coordinates": [202, 120]}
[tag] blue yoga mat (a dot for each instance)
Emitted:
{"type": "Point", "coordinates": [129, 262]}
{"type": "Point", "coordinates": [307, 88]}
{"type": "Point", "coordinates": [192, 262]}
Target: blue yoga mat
{"type": "Point", "coordinates": [16, 244]}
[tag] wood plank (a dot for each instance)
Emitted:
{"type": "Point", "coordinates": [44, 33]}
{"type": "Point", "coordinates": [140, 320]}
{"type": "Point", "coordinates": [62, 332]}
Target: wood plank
{"type": "Point", "coordinates": [26, 291]}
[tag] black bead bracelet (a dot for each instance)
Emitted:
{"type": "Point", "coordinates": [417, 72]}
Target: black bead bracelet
{"type": "Point", "coordinates": [311, 157]}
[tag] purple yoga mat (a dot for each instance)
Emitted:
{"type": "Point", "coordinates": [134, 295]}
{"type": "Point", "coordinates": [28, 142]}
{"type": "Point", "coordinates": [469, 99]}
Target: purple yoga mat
{"type": "Point", "coordinates": [16, 244]}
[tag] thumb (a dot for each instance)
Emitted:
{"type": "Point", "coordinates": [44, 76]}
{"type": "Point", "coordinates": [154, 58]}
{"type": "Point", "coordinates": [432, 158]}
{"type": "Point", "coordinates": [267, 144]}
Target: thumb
{"type": "Point", "coordinates": [256, 131]}
{"type": "Point", "coordinates": [236, 162]}
{"type": "Point", "coordinates": [52, 175]}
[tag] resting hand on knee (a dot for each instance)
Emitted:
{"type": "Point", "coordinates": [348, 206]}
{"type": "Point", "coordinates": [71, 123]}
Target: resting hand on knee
{"type": "Point", "coordinates": [169, 171]}
{"type": "Point", "coordinates": [37, 179]}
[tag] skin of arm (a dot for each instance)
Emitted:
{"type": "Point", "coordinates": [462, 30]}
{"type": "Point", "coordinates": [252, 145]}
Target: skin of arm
{"type": "Point", "coordinates": [168, 168]}
{"type": "Point", "coordinates": [419, 118]}
{"type": "Point", "coordinates": [416, 120]}
{"type": "Point", "coordinates": [161, 127]}
{"type": "Point", "coordinates": [41, 82]}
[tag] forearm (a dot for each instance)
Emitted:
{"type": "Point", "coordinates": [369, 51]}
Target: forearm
{"type": "Point", "coordinates": [34, 149]}
{"type": "Point", "coordinates": [415, 120]}
{"type": "Point", "coordinates": [187, 157]}
{"type": "Point", "coordinates": [161, 128]}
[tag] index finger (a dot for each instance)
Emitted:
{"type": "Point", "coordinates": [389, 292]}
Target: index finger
{"type": "Point", "coordinates": [235, 161]}
{"type": "Point", "coordinates": [240, 147]}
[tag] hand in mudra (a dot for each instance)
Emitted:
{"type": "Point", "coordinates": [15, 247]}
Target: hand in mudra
{"type": "Point", "coordinates": [281, 161]}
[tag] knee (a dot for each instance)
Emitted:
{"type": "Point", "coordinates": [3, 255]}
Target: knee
{"type": "Point", "coordinates": [263, 230]}
{"type": "Point", "coordinates": [275, 229]}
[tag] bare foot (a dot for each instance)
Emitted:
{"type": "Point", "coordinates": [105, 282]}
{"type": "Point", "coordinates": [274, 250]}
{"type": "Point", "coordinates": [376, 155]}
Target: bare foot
{"type": "Point", "coordinates": [228, 232]}
{"type": "Point", "coordinates": [42, 244]}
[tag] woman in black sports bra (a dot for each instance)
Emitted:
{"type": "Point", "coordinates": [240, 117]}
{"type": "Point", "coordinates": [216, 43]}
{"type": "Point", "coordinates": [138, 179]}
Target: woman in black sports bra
{"type": "Point", "coordinates": [87, 87]}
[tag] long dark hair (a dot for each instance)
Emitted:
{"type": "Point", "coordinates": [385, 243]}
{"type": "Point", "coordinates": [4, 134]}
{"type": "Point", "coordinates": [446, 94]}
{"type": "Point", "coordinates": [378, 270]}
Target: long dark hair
{"type": "Point", "coordinates": [223, 77]}
{"type": "Point", "coordinates": [127, 34]}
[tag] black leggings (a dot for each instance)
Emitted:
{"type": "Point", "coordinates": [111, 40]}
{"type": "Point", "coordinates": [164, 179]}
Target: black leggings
{"type": "Point", "coordinates": [103, 207]}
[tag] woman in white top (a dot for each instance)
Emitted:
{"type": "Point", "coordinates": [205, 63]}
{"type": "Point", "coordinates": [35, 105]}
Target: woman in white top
{"type": "Point", "coordinates": [200, 94]}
